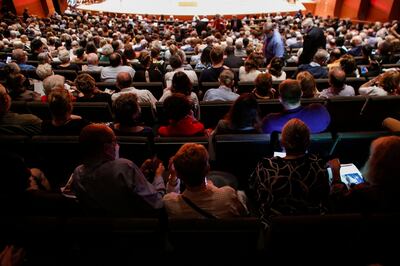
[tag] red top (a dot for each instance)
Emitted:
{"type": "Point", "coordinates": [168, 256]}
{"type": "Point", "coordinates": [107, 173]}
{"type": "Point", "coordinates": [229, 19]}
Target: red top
{"type": "Point", "coordinates": [187, 126]}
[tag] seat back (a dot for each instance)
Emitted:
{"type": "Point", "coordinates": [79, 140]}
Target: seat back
{"type": "Point", "coordinates": [240, 153]}
{"type": "Point", "coordinates": [93, 111]}
{"type": "Point", "coordinates": [156, 88]}
{"type": "Point", "coordinates": [136, 149]}
{"type": "Point", "coordinates": [166, 147]}
{"type": "Point", "coordinates": [212, 112]}
{"type": "Point", "coordinates": [348, 114]}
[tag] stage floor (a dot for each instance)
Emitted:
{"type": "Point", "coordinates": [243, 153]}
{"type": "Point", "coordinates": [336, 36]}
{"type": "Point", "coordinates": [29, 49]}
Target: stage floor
{"type": "Point", "coordinates": [194, 7]}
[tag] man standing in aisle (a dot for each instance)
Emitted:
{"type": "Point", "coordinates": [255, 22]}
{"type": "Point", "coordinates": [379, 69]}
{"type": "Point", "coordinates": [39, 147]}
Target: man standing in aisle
{"type": "Point", "coordinates": [273, 44]}
{"type": "Point", "coordinates": [314, 39]}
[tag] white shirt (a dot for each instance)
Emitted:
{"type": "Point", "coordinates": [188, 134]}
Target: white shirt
{"type": "Point", "coordinates": [144, 96]}
{"type": "Point", "coordinates": [109, 74]}
{"type": "Point", "coordinates": [372, 91]}
{"type": "Point", "coordinates": [329, 92]}
{"type": "Point", "coordinates": [250, 76]}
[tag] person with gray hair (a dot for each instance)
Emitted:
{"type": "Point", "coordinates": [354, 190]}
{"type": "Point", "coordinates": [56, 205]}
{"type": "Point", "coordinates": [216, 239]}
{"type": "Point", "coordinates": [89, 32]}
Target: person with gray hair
{"type": "Point", "coordinates": [42, 71]}
{"type": "Point", "coordinates": [318, 66]}
{"type": "Point", "coordinates": [338, 86]}
{"type": "Point", "coordinates": [44, 58]}
{"type": "Point", "coordinates": [93, 63]}
{"type": "Point", "coordinates": [65, 59]}
{"type": "Point", "coordinates": [314, 39]}
{"type": "Point", "coordinates": [273, 44]}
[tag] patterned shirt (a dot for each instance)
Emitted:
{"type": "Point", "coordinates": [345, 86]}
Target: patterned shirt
{"type": "Point", "coordinates": [289, 186]}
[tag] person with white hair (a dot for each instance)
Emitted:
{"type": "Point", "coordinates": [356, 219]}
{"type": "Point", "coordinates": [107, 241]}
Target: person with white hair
{"type": "Point", "coordinates": [42, 71]}
{"type": "Point", "coordinates": [314, 39]}
{"type": "Point", "coordinates": [356, 43]}
{"type": "Point", "coordinates": [65, 59]}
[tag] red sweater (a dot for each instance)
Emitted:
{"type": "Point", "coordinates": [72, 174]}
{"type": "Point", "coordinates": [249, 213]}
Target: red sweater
{"type": "Point", "coordinates": [187, 126]}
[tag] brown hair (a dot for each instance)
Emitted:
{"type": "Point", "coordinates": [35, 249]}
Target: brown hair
{"type": "Point", "coordinates": [85, 83]}
{"type": "Point", "coordinates": [191, 164]}
{"type": "Point", "coordinates": [295, 136]}
{"type": "Point", "coordinates": [307, 84]}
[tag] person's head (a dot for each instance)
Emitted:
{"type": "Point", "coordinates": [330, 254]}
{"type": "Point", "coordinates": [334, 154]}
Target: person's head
{"type": "Point", "coordinates": [92, 59]}
{"type": "Point", "coordinates": [205, 57]}
{"type": "Point", "coordinates": [19, 56]}
{"type": "Point", "coordinates": [17, 84]}
{"type": "Point", "coordinates": [98, 142]}
{"type": "Point", "coordinates": [44, 70]}
{"type": "Point", "coordinates": [181, 83]}
{"type": "Point", "coordinates": [268, 28]}
{"type": "Point", "coordinates": [145, 58]}
{"type": "Point", "coordinates": [244, 112]}
{"type": "Point", "coordinates": [115, 59]}
{"type": "Point", "coordinates": [290, 93]}
{"type": "Point", "coordinates": [335, 55]}
{"type": "Point", "coordinates": [124, 80]}
{"type": "Point", "coordinates": [229, 50]}
{"type": "Point", "coordinates": [307, 84]}
{"type": "Point", "coordinates": [85, 83]}
{"type": "Point", "coordinates": [107, 50]}
{"type": "Point", "coordinates": [126, 110]}
{"type": "Point", "coordinates": [175, 61]}
{"type": "Point", "coordinates": [5, 102]}
{"type": "Point", "coordinates": [263, 85]}
{"type": "Point", "coordinates": [250, 65]}
{"type": "Point", "coordinates": [191, 164]}
{"type": "Point", "coordinates": [60, 103]}
{"type": "Point", "coordinates": [383, 165]}
{"type": "Point", "coordinates": [217, 55]}
{"type": "Point", "coordinates": [321, 57]}
{"type": "Point", "coordinates": [44, 58]}
{"type": "Point", "coordinates": [37, 46]}
{"type": "Point", "coordinates": [390, 82]}
{"type": "Point", "coordinates": [227, 78]}
{"type": "Point", "coordinates": [177, 106]}
{"type": "Point", "coordinates": [295, 137]}
{"type": "Point", "coordinates": [51, 82]}
{"type": "Point", "coordinates": [307, 24]}
{"type": "Point", "coordinates": [275, 66]}
{"type": "Point", "coordinates": [348, 64]}
{"type": "Point", "coordinates": [337, 79]}
{"type": "Point", "coordinates": [64, 56]}
{"type": "Point", "coordinates": [80, 53]}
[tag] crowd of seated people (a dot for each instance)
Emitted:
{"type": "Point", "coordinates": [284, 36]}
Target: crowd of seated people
{"type": "Point", "coordinates": [123, 49]}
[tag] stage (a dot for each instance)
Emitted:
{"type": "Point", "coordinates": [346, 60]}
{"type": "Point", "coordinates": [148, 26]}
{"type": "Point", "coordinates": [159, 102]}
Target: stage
{"type": "Point", "coordinates": [194, 7]}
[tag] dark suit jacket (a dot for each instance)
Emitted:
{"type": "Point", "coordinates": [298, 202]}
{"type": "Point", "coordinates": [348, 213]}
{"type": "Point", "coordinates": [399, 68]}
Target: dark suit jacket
{"type": "Point", "coordinates": [313, 40]}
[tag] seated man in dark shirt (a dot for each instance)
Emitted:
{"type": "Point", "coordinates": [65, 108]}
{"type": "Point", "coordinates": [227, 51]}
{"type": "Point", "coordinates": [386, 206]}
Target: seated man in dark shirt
{"type": "Point", "coordinates": [315, 116]}
{"type": "Point", "coordinates": [212, 73]}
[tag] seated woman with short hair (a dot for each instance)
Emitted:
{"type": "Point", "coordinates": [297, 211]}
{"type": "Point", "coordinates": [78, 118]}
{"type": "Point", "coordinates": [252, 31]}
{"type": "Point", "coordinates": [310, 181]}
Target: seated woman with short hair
{"type": "Point", "coordinates": [63, 122]}
{"type": "Point", "coordinates": [242, 117]}
{"type": "Point", "coordinates": [295, 184]}
{"type": "Point", "coordinates": [86, 84]}
{"type": "Point", "coordinates": [178, 109]}
{"type": "Point", "coordinates": [127, 114]}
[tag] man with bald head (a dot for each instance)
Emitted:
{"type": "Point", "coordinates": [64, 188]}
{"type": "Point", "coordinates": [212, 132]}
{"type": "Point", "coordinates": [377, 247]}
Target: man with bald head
{"type": "Point", "coordinates": [124, 84]}
{"type": "Point", "coordinates": [108, 185]}
{"type": "Point", "coordinates": [109, 74]}
{"type": "Point", "coordinates": [338, 86]}
{"type": "Point", "coordinates": [273, 44]}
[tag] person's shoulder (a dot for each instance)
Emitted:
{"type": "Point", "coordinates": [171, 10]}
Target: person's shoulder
{"type": "Point", "coordinates": [171, 197]}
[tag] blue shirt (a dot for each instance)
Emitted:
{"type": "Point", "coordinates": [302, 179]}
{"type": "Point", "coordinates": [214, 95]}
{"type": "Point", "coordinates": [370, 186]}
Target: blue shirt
{"type": "Point", "coordinates": [274, 46]}
{"type": "Point", "coordinates": [26, 67]}
{"type": "Point", "coordinates": [220, 94]}
{"type": "Point", "coordinates": [315, 116]}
